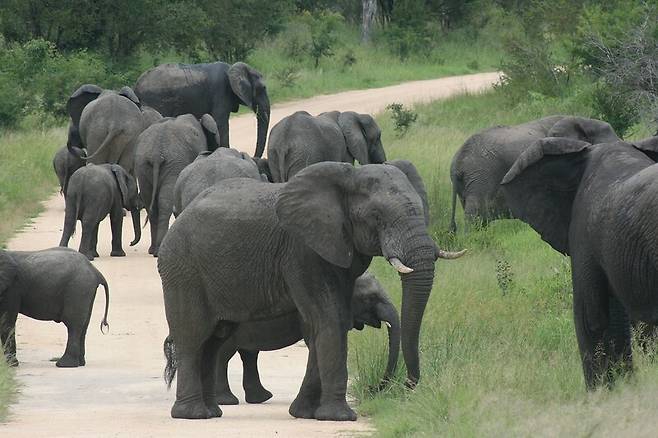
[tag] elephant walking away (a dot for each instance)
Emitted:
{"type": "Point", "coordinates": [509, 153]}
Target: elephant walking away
{"type": "Point", "coordinates": [306, 241]}
{"type": "Point", "coordinates": [65, 163]}
{"type": "Point", "coordinates": [301, 139]}
{"type": "Point", "coordinates": [56, 284]}
{"type": "Point", "coordinates": [163, 151]}
{"type": "Point", "coordinates": [216, 89]}
{"type": "Point", "coordinates": [94, 192]}
{"type": "Point", "coordinates": [597, 204]}
{"type": "Point", "coordinates": [209, 168]}
{"type": "Point", "coordinates": [482, 161]}
{"type": "Point", "coordinates": [370, 306]}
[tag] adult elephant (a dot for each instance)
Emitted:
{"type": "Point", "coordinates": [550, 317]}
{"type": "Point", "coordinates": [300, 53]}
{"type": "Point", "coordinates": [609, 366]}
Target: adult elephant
{"type": "Point", "coordinates": [597, 204]}
{"type": "Point", "coordinates": [209, 168]}
{"type": "Point", "coordinates": [106, 123]}
{"type": "Point", "coordinates": [216, 89]}
{"type": "Point", "coordinates": [163, 151]}
{"type": "Point", "coordinates": [480, 164]}
{"type": "Point", "coordinates": [301, 139]}
{"type": "Point", "coordinates": [306, 243]}
{"type": "Point", "coordinates": [370, 306]}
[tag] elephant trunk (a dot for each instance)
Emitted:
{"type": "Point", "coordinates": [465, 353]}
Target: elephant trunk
{"type": "Point", "coordinates": [388, 314]}
{"type": "Point", "coordinates": [262, 110]}
{"type": "Point", "coordinates": [138, 230]}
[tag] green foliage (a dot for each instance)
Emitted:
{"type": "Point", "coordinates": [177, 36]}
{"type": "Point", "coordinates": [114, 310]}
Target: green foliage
{"type": "Point", "coordinates": [323, 27]}
{"type": "Point", "coordinates": [7, 386]}
{"type": "Point", "coordinates": [402, 117]}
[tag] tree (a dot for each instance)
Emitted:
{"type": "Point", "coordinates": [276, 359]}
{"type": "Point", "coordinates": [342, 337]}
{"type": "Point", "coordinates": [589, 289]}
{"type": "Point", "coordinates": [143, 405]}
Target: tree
{"type": "Point", "coordinates": [369, 14]}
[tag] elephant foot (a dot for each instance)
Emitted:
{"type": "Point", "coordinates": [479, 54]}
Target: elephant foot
{"type": "Point", "coordinates": [259, 395]}
{"type": "Point", "coordinates": [214, 409]}
{"type": "Point", "coordinates": [153, 251]}
{"type": "Point", "coordinates": [335, 411]}
{"type": "Point", "coordinates": [12, 361]}
{"type": "Point", "coordinates": [303, 408]}
{"type": "Point", "coordinates": [67, 362]}
{"type": "Point", "coordinates": [227, 398]}
{"type": "Point", "coordinates": [118, 253]}
{"type": "Point", "coordinates": [82, 362]}
{"type": "Point", "coordinates": [90, 256]}
{"type": "Point", "coordinates": [95, 253]}
{"type": "Point", "coordinates": [193, 410]}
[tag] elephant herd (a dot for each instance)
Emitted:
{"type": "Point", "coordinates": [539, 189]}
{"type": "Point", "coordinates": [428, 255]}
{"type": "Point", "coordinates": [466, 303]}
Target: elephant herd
{"type": "Point", "coordinates": [265, 252]}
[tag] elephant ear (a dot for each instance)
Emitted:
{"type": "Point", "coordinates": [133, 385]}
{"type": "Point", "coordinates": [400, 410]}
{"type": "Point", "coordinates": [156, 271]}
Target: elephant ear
{"type": "Point", "coordinates": [649, 146]}
{"type": "Point", "coordinates": [355, 137]}
{"type": "Point", "coordinates": [121, 177]}
{"type": "Point", "coordinates": [541, 186]}
{"type": "Point", "coordinates": [312, 206]}
{"type": "Point", "coordinates": [8, 271]}
{"type": "Point", "coordinates": [416, 181]}
{"type": "Point", "coordinates": [240, 78]}
{"type": "Point", "coordinates": [581, 128]}
{"type": "Point", "coordinates": [79, 100]}
{"type": "Point", "coordinates": [128, 93]}
{"type": "Point", "coordinates": [210, 130]}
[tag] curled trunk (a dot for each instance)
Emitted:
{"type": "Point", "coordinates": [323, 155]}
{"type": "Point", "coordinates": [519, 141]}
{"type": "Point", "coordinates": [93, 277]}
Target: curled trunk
{"type": "Point", "coordinates": [389, 314]}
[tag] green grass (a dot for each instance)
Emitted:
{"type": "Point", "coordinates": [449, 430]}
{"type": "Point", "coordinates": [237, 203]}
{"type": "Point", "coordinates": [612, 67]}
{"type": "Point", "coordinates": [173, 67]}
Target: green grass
{"type": "Point", "coordinates": [498, 348]}
{"type": "Point", "coordinates": [7, 387]}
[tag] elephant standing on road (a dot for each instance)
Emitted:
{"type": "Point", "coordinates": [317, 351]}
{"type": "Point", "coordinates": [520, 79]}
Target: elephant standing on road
{"type": "Point", "coordinates": [597, 204]}
{"type": "Point", "coordinates": [216, 89]}
{"type": "Point", "coordinates": [301, 139]}
{"type": "Point", "coordinates": [306, 242]}
{"type": "Point", "coordinates": [65, 163]}
{"type": "Point", "coordinates": [480, 164]}
{"type": "Point", "coordinates": [370, 306]}
{"type": "Point", "coordinates": [163, 151]}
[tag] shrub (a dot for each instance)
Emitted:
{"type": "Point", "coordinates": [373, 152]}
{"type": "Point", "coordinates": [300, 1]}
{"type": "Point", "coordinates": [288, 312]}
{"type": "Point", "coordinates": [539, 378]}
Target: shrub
{"type": "Point", "coordinates": [403, 118]}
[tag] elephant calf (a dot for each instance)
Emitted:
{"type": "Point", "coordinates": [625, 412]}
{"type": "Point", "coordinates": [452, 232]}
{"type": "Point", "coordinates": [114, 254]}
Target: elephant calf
{"type": "Point", "coordinates": [56, 284]}
{"type": "Point", "coordinates": [94, 192]}
{"type": "Point", "coordinates": [370, 306]}
{"type": "Point", "coordinates": [65, 163]}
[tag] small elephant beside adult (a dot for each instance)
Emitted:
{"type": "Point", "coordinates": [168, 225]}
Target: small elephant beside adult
{"type": "Point", "coordinates": [56, 284]}
{"type": "Point", "coordinates": [164, 149]}
{"type": "Point", "coordinates": [210, 168]}
{"type": "Point", "coordinates": [94, 192]}
{"type": "Point", "coordinates": [215, 88]}
{"type": "Point", "coordinates": [306, 242]}
{"type": "Point", "coordinates": [65, 163]}
{"type": "Point", "coordinates": [597, 204]}
{"type": "Point", "coordinates": [482, 161]}
{"type": "Point", "coordinates": [370, 306]}
{"type": "Point", "coordinates": [106, 124]}
{"type": "Point", "coordinates": [301, 139]}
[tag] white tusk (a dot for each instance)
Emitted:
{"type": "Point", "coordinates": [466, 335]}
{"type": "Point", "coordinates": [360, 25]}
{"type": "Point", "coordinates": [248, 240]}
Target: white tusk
{"type": "Point", "coordinates": [399, 266]}
{"type": "Point", "coordinates": [388, 324]}
{"type": "Point", "coordinates": [449, 255]}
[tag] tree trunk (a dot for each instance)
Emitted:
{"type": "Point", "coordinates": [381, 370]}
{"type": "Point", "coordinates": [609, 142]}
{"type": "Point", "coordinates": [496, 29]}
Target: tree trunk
{"type": "Point", "coordinates": [369, 14]}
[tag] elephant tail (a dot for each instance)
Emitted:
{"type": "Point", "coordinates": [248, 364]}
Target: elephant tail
{"type": "Point", "coordinates": [154, 193]}
{"type": "Point", "coordinates": [101, 280]}
{"type": "Point", "coordinates": [453, 224]}
{"type": "Point", "coordinates": [172, 364]}
{"type": "Point", "coordinates": [112, 134]}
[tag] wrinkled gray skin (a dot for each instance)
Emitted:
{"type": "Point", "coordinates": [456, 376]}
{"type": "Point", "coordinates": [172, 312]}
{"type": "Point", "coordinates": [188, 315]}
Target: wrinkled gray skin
{"type": "Point", "coordinates": [94, 192]}
{"type": "Point", "coordinates": [65, 163]}
{"type": "Point", "coordinates": [370, 306]}
{"type": "Point", "coordinates": [106, 124]}
{"type": "Point", "coordinates": [480, 164]}
{"type": "Point", "coordinates": [301, 139]}
{"type": "Point", "coordinates": [209, 168]}
{"type": "Point", "coordinates": [306, 242]}
{"type": "Point", "coordinates": [216, 89]}
{"type": "Point", "coordinates": [56, 284]}
{"type": "Point", "coordinates": [597, 204]}
{"type": "Point", "coordinates": [163, 151]}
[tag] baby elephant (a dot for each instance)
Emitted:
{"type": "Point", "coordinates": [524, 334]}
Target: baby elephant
{"type": "Point", "coordinates": [56, 284]}
{"type": "Point", "coordinates": [65, 163]}
{"type": "Point", "coordinates": [95, 191]}
{"type": "Point", "coordinates": [370, 306]}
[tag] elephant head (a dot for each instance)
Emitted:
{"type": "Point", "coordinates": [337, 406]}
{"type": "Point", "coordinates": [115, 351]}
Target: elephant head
{"type": "Point", "coordinates": [129, 198]}
{"type": "Point", "coordinates": [581, 128]}
{"type": "Point", "coordinates": [362, 137]}
{"type": "Point", "coordinates": [248, 85]}
{"type": "Point", "coordinates": [373, 210]}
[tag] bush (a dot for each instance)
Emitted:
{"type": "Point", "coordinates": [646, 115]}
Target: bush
{"type": "Point", "coordinates": [403, 118]}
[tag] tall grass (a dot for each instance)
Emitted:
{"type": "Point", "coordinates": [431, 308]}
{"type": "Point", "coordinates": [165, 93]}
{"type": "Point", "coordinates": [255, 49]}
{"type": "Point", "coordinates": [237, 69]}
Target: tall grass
{"type": "Point", "coordinates": [498, 348]}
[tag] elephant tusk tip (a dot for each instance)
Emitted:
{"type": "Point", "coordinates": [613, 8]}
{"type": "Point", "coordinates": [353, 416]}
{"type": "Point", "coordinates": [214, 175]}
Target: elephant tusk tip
{"type": "Point", "coordinates": [399, 266]}
{"type": "Point", "coordinates": [388, 324]}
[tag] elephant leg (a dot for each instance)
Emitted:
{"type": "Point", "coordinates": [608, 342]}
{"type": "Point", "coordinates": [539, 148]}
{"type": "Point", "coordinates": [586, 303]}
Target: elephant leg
{"type": "Point", "coordinates": [71, 357]}
{"type": "Point", "coordinates": [618, 338]}
{"type": "Point", "coordinates": [87, 238]}
{"type": "Point", "coordinates": [189, 391]}
{"type": "Point", "coordinates": [8, 336]}
{"type": "Point", "coordinates": [69, 225]}
{"type": "Point", "coordinates": [308, 398]}
{"type": "Point", "coordinates": [153, 222]}
{"type": "Point", "coordinates": [254, 392]}
{"type": "Point", "coordinates": [83, 335]}
{"type": "Point", "coordinates": [222, 388]}
{"type": "Point", "coordinates": [221, 118]}
{"type": "Point", "coordinates": [116, 222]}
{"type": "Point", "coordinates": [94, 243]}
{"type": "Point", "coordinates": [208, 369]}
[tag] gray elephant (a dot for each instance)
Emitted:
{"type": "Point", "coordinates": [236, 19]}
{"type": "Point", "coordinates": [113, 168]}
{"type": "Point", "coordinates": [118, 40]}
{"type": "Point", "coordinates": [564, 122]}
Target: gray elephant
{"type": "Point", "coordinates": [300, 140]}
{"type": "Point", "coordinates": [306, 242]}
{"type": "Point", "coordinates": [209, 168]}
{"type": "Point", "coordinates": [163, 151]}
{"type": "Point", "coordinates": [216, 89]}
{"type": "Point", "coordinates": [94, 192]}
{"type": "Point", "coordinates": [56, 284]}
{"type": "Point", "coordinates": [482, 161]}
{"type": "Point", "coordinates": [106, 124]}
{"type": "Point", "coordinates": [65, 163]}
{"type": "Point", "coordinates": [370, 306]}
{"type": "Point", "coordinates": [597, 204]}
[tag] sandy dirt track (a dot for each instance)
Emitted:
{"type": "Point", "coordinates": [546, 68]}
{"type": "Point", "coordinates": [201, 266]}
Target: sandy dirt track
{"type": "Point", "coordinates": [120, 393]}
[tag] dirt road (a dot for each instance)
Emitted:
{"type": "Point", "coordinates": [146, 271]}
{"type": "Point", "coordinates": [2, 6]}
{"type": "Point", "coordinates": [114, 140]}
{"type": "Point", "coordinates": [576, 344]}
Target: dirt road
{"type": "Point", "coordinates": [120, 393]}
